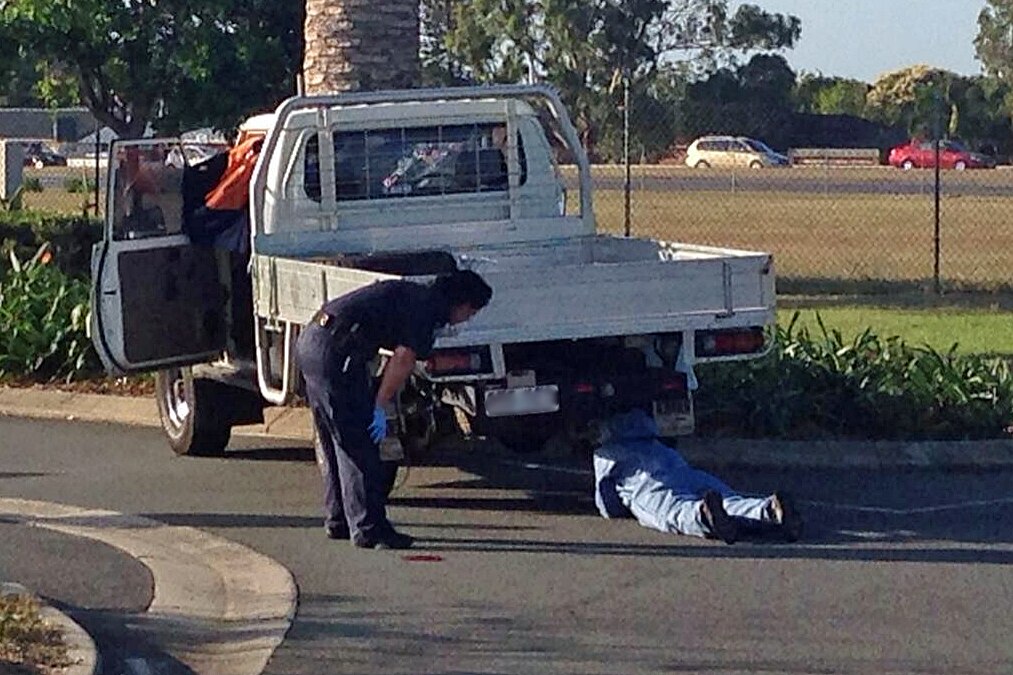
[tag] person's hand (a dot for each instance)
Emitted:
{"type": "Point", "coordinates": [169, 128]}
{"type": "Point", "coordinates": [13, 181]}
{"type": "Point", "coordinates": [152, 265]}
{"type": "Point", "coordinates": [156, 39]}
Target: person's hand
{"type": "Point", "coordinates": [378, 427]}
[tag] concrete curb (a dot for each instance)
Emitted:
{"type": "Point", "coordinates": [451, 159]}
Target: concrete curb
{"type": "Point", "coordinates": [218, 606]}
{"type": "Point", "coordinates": [81, 651]}
{"type": "Point", "coordinates": [135, 411]}
{"type": "Point", "coordinates": [748, 453]}
{"type": "Point", "coordinates": [294, 423]}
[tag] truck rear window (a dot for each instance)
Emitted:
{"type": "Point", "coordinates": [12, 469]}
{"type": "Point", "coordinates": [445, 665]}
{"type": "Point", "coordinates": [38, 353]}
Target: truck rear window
{"type": "Point", "coordinates": [415, 161]}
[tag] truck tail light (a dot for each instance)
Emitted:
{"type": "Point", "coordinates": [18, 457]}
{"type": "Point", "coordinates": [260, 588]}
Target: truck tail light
{"type": "Point", "coordinates": [730, 342]}
{"type": "Point", "coordinates": [458, 362]}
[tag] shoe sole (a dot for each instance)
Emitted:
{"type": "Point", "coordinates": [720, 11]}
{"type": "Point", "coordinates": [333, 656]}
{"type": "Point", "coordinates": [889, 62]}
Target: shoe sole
{"type": "Point", "coordinates": [791, 522]}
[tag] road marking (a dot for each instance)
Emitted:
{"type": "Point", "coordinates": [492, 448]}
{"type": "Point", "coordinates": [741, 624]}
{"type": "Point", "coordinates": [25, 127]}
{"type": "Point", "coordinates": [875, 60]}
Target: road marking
{"type": "Point", "coordinates": [977, 504]}
{"type": "Point", "coordinates": [218, 606]}
{"type": "Point", "coordinates": [534, 466]}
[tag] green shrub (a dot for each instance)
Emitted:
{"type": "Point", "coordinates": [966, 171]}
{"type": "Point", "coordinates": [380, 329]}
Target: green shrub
{"type": "Point", "coordinates": [79, 185]}
{"type": "Point", "coordinates": [43, 319]}
{"type": "Point", "coordinates": [870, 388]}
{"type": "Point", "coordinates": [70, 238]}
{"type": "Point", "coordinates": [32, 184]}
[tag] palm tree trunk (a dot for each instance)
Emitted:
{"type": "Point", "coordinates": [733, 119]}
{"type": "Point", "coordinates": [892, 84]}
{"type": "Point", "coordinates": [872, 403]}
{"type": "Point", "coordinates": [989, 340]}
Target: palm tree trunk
{"type": "Point", "coordinates": [354, 45]}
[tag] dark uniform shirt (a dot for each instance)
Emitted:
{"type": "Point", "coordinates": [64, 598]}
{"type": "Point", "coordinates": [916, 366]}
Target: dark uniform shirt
{"type": "Point", "coordinates": [390, 314]}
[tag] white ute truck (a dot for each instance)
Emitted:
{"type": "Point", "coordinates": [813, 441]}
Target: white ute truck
{"type": "Point", "coordinates": [353, 188]}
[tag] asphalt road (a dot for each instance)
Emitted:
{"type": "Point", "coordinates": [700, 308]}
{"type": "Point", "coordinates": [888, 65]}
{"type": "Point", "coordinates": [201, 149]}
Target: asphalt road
{"type": "Point", "coordinates": [901, 572]}
{"type": "Point", "coordinates": [986, 183]}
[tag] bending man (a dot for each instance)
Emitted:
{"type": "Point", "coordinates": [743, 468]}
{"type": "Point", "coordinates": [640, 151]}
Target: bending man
{"type": "Point", "coordinates": [334, 352]}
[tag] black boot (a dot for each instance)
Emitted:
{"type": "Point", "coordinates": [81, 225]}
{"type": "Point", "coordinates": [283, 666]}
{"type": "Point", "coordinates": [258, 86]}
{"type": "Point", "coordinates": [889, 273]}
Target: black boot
{"type": "Point", "coordinates": [786, 515]}
{"type": "Point", "coordinates": [385, 539]}
{"type": "Point", "coordinates": [718, 522]}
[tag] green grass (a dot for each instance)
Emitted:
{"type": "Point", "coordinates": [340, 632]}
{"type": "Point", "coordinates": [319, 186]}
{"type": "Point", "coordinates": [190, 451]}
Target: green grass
{"type": "Point", "coordinates": [975, 331]}
{"type": "Point", "coordinates": [54, 195]}
{"type": "Point", "coordinates": [833, 237]}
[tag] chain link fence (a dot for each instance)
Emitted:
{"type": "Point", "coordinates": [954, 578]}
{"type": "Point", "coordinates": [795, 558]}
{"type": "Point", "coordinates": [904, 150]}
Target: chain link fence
{"type": "Point", "coordinates": [838, 220]}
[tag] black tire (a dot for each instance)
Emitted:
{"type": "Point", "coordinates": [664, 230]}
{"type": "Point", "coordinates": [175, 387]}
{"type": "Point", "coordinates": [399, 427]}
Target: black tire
{"type": "Point", "coordinates": [523, 435]}
{"type": "Point", "coordinates": [756, 164]}
{"type": "Point", "coordinates": [702, 165]}
{"type": "Point", "coordinates": [194, 413]}
{"type": "Point", "coordinates": [907, 165]}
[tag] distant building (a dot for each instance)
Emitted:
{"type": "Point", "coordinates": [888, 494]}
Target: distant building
{"type": "Point", "coordinates": [60, 125]}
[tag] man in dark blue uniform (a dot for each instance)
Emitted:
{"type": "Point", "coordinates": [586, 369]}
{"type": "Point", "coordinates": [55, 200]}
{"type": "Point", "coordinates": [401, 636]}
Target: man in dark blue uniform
{"type": "Point", "coordinates": [334, 351]}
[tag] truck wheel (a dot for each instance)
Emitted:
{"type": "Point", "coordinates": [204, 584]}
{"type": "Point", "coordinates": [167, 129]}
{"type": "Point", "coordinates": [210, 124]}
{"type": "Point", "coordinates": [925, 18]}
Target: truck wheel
{"type": "Point", "coordinates": [191, 411]}
{"type": "Point", "coordinates": [523, 435]}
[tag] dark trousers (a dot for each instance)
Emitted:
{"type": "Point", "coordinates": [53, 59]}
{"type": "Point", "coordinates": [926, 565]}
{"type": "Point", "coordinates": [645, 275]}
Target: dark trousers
{"type": "Point", "coordinates": [341, 398]}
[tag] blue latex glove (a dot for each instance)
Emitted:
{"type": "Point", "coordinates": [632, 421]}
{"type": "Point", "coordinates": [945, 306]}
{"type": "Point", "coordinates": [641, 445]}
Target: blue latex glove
{"type": "Point", "coordinates": [378, 427]}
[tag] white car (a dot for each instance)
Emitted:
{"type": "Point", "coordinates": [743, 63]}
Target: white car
{"type": "Point", "coordinates": [732, 151]}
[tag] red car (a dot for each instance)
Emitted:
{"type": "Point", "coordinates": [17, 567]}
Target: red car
{"type": "Point", "coordinates": [917, 154]}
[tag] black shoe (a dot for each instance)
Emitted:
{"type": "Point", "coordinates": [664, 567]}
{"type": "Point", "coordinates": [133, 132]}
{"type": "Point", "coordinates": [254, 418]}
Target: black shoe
{"type": "Point", "coordinates": [337, 531]}
{"type": "Point", "coordinates": [786, 516]}
{"type": "Point", "coordinates": [385, 540]}
{"type": "Point", "coordinates": [719, 523]}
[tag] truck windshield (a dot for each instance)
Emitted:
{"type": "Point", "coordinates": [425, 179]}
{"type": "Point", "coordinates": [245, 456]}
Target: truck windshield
{"type": "Point", "coordinates": [415, 161]}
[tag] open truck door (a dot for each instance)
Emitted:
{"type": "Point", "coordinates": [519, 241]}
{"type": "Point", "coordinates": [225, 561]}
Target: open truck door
{"type": "Point", "coordinates": [156, 297]}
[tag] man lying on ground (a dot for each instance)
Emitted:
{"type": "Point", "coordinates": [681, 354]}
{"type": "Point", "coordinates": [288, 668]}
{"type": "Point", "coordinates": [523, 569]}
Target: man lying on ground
{"type": "Point", "coordinates": [638, 475]}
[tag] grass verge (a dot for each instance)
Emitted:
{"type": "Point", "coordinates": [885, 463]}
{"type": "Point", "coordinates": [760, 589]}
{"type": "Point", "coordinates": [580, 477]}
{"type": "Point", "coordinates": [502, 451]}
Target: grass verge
{"type": "Point", "coordinates": [973, 331]}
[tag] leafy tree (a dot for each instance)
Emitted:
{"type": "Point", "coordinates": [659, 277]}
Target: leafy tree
{"type": "Point", "coordinates": [994, 43]}
{"type": "Point", "coordinates": [755, 99]}
{"type": "Point", "coordinates": [587, 49]}
{"type": "Point", "coordinates": [830, 95]}
{"type": "Point", "coordinates": [981, 119]}
{"type": "Point", "coordinates": [437, 21]}
{"type": "Point", "coordinates": [174, 63]}
{"type": "Point", "coordinates": [19, 74]}
{"type": "Point", "coordinates": [916, 98]}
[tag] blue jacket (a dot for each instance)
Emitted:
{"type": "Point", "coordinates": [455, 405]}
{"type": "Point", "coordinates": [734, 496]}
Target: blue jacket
{"type": "Point", "coordinates": [630, 458]}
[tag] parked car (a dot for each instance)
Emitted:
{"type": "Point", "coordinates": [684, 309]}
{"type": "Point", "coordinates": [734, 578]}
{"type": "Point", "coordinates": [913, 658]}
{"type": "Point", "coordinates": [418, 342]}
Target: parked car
{"type": "Point", "coordinates": [39, 155]}
{"type": "Point", "coordinates": [918, 154]}
{"type": "Point", "coordinates": [732, 151]}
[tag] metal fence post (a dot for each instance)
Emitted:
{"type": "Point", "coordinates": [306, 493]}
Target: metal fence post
{"type": "Point", "coordinates": [98, 152]}
{"type": "Point", "coordinates": [626, 153]}
{"type": "Point", "coordinates": [937, 282]}
{"type": "Point", "coordinates": [11, 161]}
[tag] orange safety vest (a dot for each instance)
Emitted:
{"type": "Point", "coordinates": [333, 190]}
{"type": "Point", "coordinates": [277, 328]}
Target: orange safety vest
{"type": "Point", "coordinates": [233, 189]}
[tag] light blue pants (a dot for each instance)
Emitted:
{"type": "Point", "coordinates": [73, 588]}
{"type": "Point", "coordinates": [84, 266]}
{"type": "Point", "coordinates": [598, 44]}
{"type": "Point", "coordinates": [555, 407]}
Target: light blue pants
{"type": "Point", "coordinates": [673, 504]}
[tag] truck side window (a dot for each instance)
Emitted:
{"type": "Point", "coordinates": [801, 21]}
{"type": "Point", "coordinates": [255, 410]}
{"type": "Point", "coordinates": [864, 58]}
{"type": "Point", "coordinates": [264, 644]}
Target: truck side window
{"type": "Point", "coordinates": [311, 169]}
